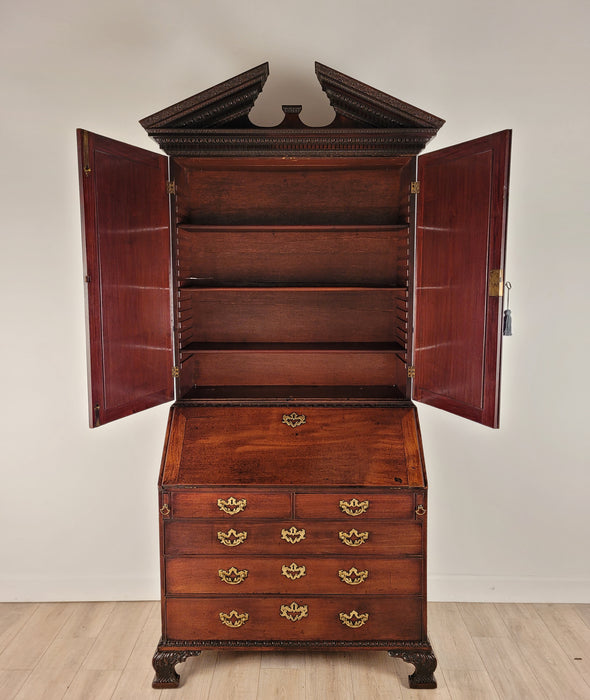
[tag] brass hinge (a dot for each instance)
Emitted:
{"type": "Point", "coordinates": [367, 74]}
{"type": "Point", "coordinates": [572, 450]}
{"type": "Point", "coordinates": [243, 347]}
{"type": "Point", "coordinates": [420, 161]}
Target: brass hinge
{"type": "Point", "coordinates": [415, 187]}
{"type": "Point", "coordinates": [85, 154]}
{"type": "Point", "coordinates": [411, 371]}
{"type": "Point", "coordinates": [170, 187]}
{"type": "Point", "coordinates": [496, 283]}
{"type": "Point", "coordinates": [176, 371]}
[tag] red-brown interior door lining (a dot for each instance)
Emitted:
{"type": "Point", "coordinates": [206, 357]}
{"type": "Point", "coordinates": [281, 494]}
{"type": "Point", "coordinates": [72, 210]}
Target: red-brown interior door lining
{"type": "Point", "coordinates": [460, 237]}
{"type": "Point", "coordinates": [126, 240]}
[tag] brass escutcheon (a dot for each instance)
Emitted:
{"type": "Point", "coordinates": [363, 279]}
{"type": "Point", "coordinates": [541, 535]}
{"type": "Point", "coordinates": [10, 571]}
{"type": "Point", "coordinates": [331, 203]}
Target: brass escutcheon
{"type": "Point", "coordinates": [232, 538]}
{"type": "Point", "coordinates": [233, 576]}
{"type": "Point", "coordinates": [293, 571]}
{"type": "Point", "coordinates": [354, 507]}
{"type": "Point", "coordinates": [293, 420]}
{"type": "Point", "coordinates": [353, 577]}
{"type": "Point", "coordinates": [233, 619]}
{"type": "Point", "coordinates": [294, 612]}
{"type": "Point", "coordinates": [353, 619]}
{"type": "Point", "coordinates": [353, 538]}
{"type": "Point", "coordinates": [293, 535]}
{"type": "Point", "coordinates": [231, 506]}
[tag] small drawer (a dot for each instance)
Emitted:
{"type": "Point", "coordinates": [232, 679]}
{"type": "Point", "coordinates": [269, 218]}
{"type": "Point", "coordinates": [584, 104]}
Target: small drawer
{"type": "Point", "coordinates": [230, 504]}
{"type": "Point", "coordinates": [293, 575]}
{"type": "Point", "coordinates": [354, 506]}
{"type": "Point", "coordinates": [292, 618]}
{"type": "Point", "coordinates": [241, 537]}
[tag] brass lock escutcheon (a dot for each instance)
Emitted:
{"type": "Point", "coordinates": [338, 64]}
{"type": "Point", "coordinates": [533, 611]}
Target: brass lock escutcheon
{"type": "Point", "coordinates": [233, 619]}
{"type": "Point", "coordinates": [293, 420]}
{"type": "Point", "coordinates": [354, 507]}
{"type": "Point", "coordinates": [353, 619]}
{"type": "Point", "coordinates": [293, 535]}
{"type": "Point", "coordinates": [233, 576]}
{"type": "Point", "coordinates": [232, 506]}
{"type": "Point", "coordinates": [353, 577]}
{"type": "Point", "coordinates": [354, 538]}
{"type": "Point", "coordinates": [293, 571]}
{"type": "Point", "coordinates": [294, 612]}
{"type": "Point", "coordinates": [231, 538]}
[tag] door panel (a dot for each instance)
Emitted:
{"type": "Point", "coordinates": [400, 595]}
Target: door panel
{"type": "Point", "coordinates": [126, 239]}
{"type": "Point", "coordinates": [460, 237]}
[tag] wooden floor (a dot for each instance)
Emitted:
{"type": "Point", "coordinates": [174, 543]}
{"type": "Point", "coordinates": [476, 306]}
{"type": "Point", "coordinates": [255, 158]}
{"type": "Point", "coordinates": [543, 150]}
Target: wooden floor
{"type": "Point", "coordinates": [91, 651]}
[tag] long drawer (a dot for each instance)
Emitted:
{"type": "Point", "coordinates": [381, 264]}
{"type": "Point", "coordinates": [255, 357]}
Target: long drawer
{"type": "Point", "coordinates": [291, 538]}
{"type": "Point", "coordinates": [238, 575]}
{"type": "Point", "coordinates": [347, 618]}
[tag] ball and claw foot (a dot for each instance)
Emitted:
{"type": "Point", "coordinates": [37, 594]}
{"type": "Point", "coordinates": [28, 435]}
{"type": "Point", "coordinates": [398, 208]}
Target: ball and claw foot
{"type": "Point", "coordinates": [424, 663]}
{"type": "Point", "coordinates": [164, 663]}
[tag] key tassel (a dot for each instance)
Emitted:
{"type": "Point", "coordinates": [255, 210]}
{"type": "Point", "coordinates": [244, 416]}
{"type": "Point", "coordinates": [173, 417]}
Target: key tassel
{"type": "Point", "coordinates": [507, 319]}
{"type": "Point", "coordinates": [507, 323]}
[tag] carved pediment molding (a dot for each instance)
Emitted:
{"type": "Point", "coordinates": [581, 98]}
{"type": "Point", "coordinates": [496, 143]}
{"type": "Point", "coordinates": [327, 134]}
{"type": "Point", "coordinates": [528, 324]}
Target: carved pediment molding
{"type": "Point", "coordinates": [216, 122]}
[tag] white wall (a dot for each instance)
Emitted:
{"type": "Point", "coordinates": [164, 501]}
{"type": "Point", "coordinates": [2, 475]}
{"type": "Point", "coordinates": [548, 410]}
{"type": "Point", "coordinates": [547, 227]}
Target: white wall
{"type": "Point", "coordinates": [508, 508]}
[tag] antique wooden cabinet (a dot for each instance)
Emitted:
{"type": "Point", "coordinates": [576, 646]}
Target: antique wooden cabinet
{"type": "Point", "coordinates": [293, 288]}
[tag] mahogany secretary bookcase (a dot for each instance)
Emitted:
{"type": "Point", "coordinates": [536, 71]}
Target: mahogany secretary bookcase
{"type": "Point", "coordinates": [293, 288]}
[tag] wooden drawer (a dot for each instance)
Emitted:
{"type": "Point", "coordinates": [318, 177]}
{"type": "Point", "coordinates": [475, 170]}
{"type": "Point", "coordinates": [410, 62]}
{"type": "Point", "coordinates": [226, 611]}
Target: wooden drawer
{"type": "Point", "coordinates": [237, 575]}
{"type": "Point", "coordinates": [230, 504]}
{"type": "Point", "coordinates": [256, 619]}
{"type": "Point", "coordinates": [308, 537]}
{"type": "Point", "coordinates": [354, 506]}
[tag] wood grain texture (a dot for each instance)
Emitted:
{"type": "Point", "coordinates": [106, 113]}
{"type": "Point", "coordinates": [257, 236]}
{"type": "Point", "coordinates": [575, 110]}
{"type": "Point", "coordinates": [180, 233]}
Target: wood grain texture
{"type": "Point", "coordinates": [389, 618]}
{"type": "Point", "coordinates": [200, 575]}
{"type": "Point", "coordinates": [126, 239]}
{"type": "Point", "coordinates": [346, 447]}
{"type": "Point", "coordinates": [460, 237]}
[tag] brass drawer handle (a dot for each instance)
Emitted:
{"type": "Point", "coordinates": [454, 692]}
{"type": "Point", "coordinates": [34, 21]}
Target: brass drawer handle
{"type": "Point", "coordinates": [353, 577]}
{"type": "Point", "coordinates": [420, 510]}
{"type": "Point", "coordinates": [354, 507]}
{"type": "Point", "coordinates": [233, 619]}
{"type": "Point", "coordinates": [233, 576]}
{"type": "Point", "coordinates": [293, 535]}
{"type": "Point", "coordinates": [353, 538]}
{"type": "Point", "coordinates": [231, 506]}
{"type": "Point", "coordinates": [231, 538]}
{"type": "Point", "coordinates": [165, 510]}
{"type": "Point", "coordinates": [293, 420]}
{"type": "Point", "coordinates": [353, 619]}
{"type": "Point", "coordinates": [293, 571]}
{"type": "Point", "coordinates": [294, 612]}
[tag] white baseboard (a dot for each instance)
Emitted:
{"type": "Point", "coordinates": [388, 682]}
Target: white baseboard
{"type": "Point", "coordinates": [507, 589]}
{"type": "Point", "coordinates": [442, 588]}
{"type": "Point", "coordinates": [49, 589]}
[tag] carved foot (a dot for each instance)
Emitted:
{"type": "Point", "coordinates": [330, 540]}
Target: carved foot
{"type": "Point", "coordinates": [424, 663]}
{"type": "Point", "coordinates": [164, 663]}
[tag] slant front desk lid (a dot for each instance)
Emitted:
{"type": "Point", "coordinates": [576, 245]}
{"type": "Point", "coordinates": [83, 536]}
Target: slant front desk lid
{"type": "Point", "coordinates": [293, 446]}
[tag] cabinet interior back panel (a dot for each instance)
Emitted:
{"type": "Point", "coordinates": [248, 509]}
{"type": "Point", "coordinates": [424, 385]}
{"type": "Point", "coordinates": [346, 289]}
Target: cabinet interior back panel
{"type": "Point", "coordinates": [290, 255]}
{"type": "Point", "coordinates": [266, 191]}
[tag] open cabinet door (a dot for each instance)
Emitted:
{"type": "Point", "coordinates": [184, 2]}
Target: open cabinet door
{"type": "Point", "coordinates": [460, 240]}
{"type": "Point", "coordinates": [126, 239]}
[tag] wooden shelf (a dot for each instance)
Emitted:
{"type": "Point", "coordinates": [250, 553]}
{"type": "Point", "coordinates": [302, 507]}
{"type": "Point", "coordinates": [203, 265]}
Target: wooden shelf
{"type": "Point", "coordinates": [264, 228]}
{"type": "Point", "coordinates": [191, 284]}
{"type": "Point", "coordinates": [297, 394]}
{"type": "Point", "coordinates": [293, 347]}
